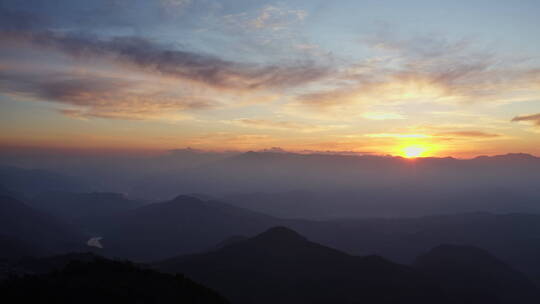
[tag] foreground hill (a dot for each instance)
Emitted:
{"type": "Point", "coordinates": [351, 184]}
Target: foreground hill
{"type": "Point", "coordinates": [472, 275]}
{"type": "Point", "coordinates": [281, 266]}
{"type": "Point", "coordinates": [105, 281]}
{"type": "Point", "coordinates": [24, 230]}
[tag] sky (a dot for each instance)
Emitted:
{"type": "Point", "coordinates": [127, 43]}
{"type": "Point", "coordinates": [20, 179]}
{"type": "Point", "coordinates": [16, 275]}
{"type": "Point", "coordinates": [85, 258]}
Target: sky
{"type": "Point", "coordinates": [410, 78]}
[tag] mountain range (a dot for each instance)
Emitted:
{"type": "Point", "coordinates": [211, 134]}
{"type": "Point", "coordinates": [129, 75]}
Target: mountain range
{"type": "Point", "coordinates": [295, 185]}
{"type": "Point", "coordinates": [25, 231]}
{"type": "Point", "coordinates": [281, 266]}
{"type": "Point", "coordinates": [247, 261]}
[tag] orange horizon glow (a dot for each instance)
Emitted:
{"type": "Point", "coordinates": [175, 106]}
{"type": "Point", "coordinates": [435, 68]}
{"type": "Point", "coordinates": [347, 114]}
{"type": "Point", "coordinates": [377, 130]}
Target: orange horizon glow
{"type": "Point", "coordinates": [408, 150]}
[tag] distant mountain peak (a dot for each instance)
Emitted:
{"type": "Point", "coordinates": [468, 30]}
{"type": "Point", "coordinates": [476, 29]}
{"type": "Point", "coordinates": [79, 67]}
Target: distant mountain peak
{"type": "Point", "coordinates": [185, 199]}
{"type": "Point", "coordinates": [177, 204]}
{"type": "Point", "coordinates": [509, 156]}
{"type": "Point", "coordinates": [281, 234]}
{"type": "Point", "coordinates": [231, 240]}
{"type": "Point", "coordinates": [251, 153]}
{"type": "Point", "coordinates": [266, 155]}
{"type": "Point", "coordinates": [462, 253]}
{"type": "Point", "coordinates": [460, 257]}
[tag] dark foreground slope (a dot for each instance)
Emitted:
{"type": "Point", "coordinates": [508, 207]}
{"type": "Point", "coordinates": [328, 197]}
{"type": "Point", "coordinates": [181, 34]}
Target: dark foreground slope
{"type": "Point", "coordinates": [472, 275]}
{"type": "Point", "coordinates": [105, 281]}
{"type": "Point", "coordinates": [280, 266]}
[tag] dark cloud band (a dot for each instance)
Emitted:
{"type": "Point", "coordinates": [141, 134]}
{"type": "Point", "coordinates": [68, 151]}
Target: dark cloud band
{"type": "Point", "coordinates": [154, 57]}
{"type": "Point", "coordinates": [534, 118]}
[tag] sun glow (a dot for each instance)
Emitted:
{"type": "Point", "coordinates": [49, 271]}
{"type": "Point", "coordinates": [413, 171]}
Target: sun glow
{"type": "Point", "coordinates": [414, 151]}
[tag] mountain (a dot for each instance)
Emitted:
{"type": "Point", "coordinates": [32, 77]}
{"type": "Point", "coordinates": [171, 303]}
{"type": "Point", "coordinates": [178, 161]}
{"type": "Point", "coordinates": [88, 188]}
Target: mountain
{"type": "Point", "coordinates": [32, 265]}
{"type": "Point", "coordinates": [410, 198]}
{"type": "Point", "coordinates": [188, 225]}
{"type": "Point", "coordinates": [231, 240]}
{"type": "Point", "coordinates": [281, 266]}
{"type": "Point", "coordinates": [182, 225]}
{"type": "Point", "coordinates": [102, 280]}
{"type": "Point", "coordinates": [71, 206]}
{"type": "Point", "coordinates": [24, 227]}
{"type": "Point", "coordinates": [12, 248]}
{"type": "Point", "coordinates": [261, 171]}
{"type": "Point", "coordinates": [116, 172]}
{"type": "Point", "coordinates": [513, 238]}
{"type": "Point", "coordinates": [472, 275]}
{"type": "Point", "coordinates": [333, 186]}
{"type": "Point", "coordinates": [6, 192]}
{"type": "Point", "coordinates": [36, 181]}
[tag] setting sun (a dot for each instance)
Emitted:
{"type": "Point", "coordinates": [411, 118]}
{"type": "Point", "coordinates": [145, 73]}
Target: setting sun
{"type": "Point", "coordinates": [414, 151]}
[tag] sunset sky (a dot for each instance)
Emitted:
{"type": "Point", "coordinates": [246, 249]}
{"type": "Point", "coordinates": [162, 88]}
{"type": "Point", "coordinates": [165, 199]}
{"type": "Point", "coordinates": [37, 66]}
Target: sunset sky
{"type": "Point", "coordinates": [416, 78]}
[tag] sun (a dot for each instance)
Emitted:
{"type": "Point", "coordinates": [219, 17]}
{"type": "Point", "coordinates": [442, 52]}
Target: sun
{"type": "Point", "coordinates": [414, 151]}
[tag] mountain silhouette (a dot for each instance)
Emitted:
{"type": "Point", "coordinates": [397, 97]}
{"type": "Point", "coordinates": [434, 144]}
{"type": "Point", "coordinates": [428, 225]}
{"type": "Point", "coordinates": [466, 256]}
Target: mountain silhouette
{"type": "Point", "coordinates": [13, 248]}
{"type": "Point", "coordinates": [472, 275]}
{"type": "Point", "coordinates": [100, 280]}
{"type": "Point", "coordinates": [36, 181]}
{"type": "Point", "coordinates": [511, 237]}
{"type": "Point", "coordinates": [26, 227]}
{"type": "Point", "coordinates": [72, 206]}
{"type": "Point", "coordinates": [230, 240]}
{"type": "Point", "coordinates": [31, 265]}
{"type": "Point", "coordinates": [281, 266]}
{"type": "Point", "coordinates": [7, 192]}
{"type": "Point", "coordinates": [182, 225]}
{"type": "Point", "coordinates": [427, 184]}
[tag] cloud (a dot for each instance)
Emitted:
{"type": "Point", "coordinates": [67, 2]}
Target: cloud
{"type": "Point", "coordinates": [173, 8]}
{"type": "Point", "coordinates": [93, 95]}
{"type": "Point", "coordinates": [270, 124]}
{"type": "Point", "coordinates": [181, 64]}
{"type": "Point", "coordinates": [397, 88]}
{"type": "Point", "coordinates": [397, 135]}
{"type": "Point", "coordinates": [270, 18]}
{"type": "Point", "coordinates": [425, 70]}
{"type": "Point", "coordinates": [329, 99]}
{"type": "Point", "coordinates": [533, 118]}
{"type": "Point", "coordinates": [18, 20]}
{"type": "Point", "coordinates": [277, 18]}
{"type": "Point", "coordinates": [382, 116]}
{"type": "Point", "coordinates": [272, 31]}
{"type": "Point", "coordinates": [101, 16]}
{"type": "Point", "coordinates": [417, 47]}
{"type": "Point", "coordinates": [227, 140]}
{"type": "Point", "coordinates": [187, 80]}
{"type": "Point", "coordinates": [445, 135]}
{"type": "Point", "coordinates": [473, 134]}
{"type": "Point", "coordinates": [282, 125]}
{"type": "Point", "coordinates": [174, 4]}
